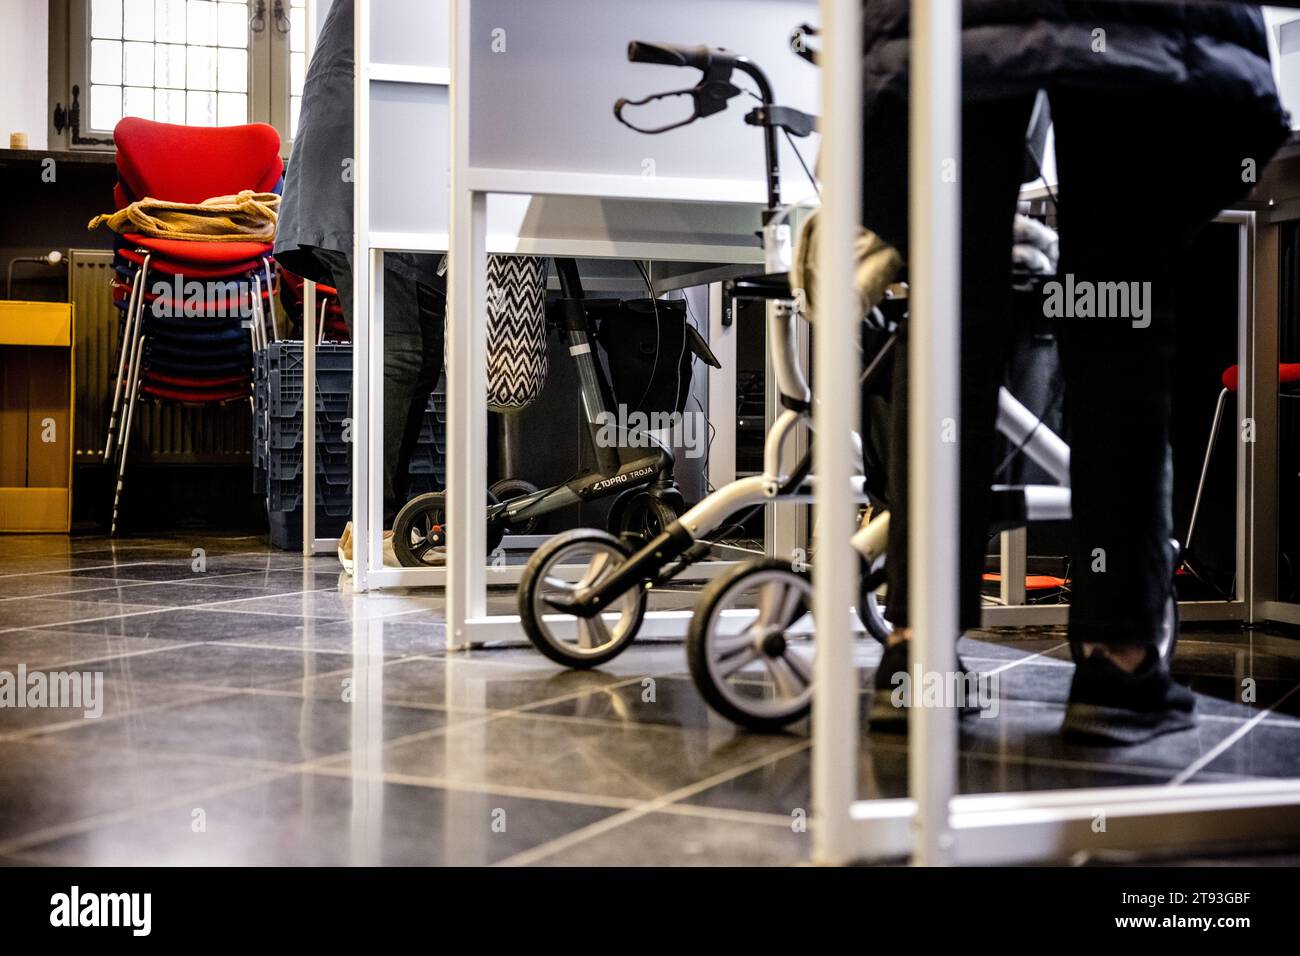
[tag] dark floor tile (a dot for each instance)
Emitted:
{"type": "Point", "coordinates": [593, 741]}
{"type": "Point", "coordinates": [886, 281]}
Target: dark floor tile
{"type": "Point", "coordinates": [119, 696]}
{"type": "Point", "coordinates": [668, 839]}
{"type": "Point", "coordinates": [223, 665]}
{"type": "Point", "coordinates": [181, 568]}
{"type": "Point", "coordinates": [312, 820]}
{"type": "Point", "coordinates": [459, 684]}
{"type": "Point", "coordinates": [62, 612]}
{"type": "Point", "coordinates": [342, 605]}
{"type": "Point", "coordinates": [180, 593]}
{"type": "Point", "coordinates": [403, 636]}
{"type": "Point", "coordinates": [783, 787]}
{"type": "Point", "coordinates": [630, 762]}
{"type": "Point", "coordinates": [56, 584]}
{"type": "Point", "coordinates": [283, 730]}
{"type": "Point", "coordinates": [1028, 730]}
{"type": "Point", "coordinates": [666, 701]}
{"type": "Point", "coordinates": [1268, 749]}
{"type": "Point", "coordinates": [268, 581]}
{"type": "Point", "coordinates": [187, 624]}
{"type": "Point", "coordinates": [48, 785]}
{"type": "Point", "coordinates": [47, 648]}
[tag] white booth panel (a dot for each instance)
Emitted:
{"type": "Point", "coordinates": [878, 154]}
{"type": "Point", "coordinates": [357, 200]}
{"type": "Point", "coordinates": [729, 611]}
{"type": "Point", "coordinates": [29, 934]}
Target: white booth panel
{"type": "Point", "coordinates": [409, 152]}
{"type": "Point", "coordinates": [411, 33]}
{"type": "Point", "coordinates": [549, 88]}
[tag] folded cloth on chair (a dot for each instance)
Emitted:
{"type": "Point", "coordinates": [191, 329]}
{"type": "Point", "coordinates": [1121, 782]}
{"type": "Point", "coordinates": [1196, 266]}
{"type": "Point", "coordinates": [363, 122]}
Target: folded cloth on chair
{"type": "Point", "coordinates": [239, 218]}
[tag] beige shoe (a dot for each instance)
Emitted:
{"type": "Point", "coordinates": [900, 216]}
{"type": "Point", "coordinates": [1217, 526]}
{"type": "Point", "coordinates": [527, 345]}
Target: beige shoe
{"type": "Point", "coordinates": [345, 550]}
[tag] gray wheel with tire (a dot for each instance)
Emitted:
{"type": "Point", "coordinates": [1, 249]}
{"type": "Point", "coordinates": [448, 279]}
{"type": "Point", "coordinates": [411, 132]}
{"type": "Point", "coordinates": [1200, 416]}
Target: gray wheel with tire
{"type": "Point", "coordinates": [567, 563]}
{"type": "Point", "coordinates": [750, 645]}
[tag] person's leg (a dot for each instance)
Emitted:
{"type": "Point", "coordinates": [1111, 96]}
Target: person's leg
{"type": "Point", "coordinates": [1126, 161]}
{"type": "Point", "coordinates": [414, 310]}
{"type": "Point", "coordinates": [989, 178]}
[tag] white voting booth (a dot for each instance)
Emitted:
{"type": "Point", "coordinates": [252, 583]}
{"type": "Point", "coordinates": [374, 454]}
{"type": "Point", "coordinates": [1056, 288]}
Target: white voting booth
{"type": "Point", "coordinates": [486, 126]}
{"type": "Point", "coordinates": [502, 139]}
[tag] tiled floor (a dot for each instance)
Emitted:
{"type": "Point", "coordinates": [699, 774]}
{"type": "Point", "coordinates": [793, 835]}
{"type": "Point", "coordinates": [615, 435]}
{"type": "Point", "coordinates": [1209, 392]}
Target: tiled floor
{"type": "Point", "coordinates": [250, 718]}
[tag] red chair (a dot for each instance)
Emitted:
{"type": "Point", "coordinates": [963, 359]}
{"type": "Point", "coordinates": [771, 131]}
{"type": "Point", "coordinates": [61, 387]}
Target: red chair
{"type": "Point", "coordinates": [167, 352]}
{"type": "Point", "coordinates": [1288, 380]}
{"type": "Point", "coordinates": [330, 325]}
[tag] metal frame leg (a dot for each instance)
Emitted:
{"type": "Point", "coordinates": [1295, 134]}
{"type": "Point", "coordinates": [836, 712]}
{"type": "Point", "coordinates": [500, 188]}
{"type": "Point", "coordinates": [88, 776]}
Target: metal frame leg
{"type": "Point", "coordinates": [134, 318]}
{"type": "Point", "coordinates": [835, 709]}
{"type": "Point", "coordinates": [1205, 465]}
{"type": "Point", "coordinates": [128, 414]}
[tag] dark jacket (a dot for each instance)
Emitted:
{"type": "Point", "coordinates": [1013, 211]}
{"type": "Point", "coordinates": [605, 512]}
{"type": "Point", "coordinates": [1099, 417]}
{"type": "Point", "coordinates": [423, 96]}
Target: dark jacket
{"type": "Point", "coordinates": [316, 211]}
{"type": "Point", "coordinates": [1216, 50]}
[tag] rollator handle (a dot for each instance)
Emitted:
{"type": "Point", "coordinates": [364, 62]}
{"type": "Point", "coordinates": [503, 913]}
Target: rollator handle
{"type": "Point", "coordinates": [671, 54]}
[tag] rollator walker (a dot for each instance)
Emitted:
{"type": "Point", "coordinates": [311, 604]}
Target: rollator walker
{"type": "Point", "coordinates": [750, 644]}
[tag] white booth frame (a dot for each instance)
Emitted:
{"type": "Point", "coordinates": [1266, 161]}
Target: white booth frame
{"type": "Point", "coordinates": [934, 825]}
{"type": "Point", "coordinates": [465, 578]}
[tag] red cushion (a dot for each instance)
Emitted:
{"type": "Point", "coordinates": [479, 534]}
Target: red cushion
{"type": "Point", "coordinates": [194, 163]}
{"type": "Point", "coordinates": [194, 270]}
{"type": "Point", "coordinates": [1288, 376]}
{"type": "Point", "coordinates": [200, 252]}
{"type": "Point", "coordinates": [196, 396]}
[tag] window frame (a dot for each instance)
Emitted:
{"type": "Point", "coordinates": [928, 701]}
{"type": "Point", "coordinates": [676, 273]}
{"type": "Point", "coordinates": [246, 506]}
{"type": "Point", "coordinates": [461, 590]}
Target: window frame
{"type": "Point", "coordinates": [268, 71]}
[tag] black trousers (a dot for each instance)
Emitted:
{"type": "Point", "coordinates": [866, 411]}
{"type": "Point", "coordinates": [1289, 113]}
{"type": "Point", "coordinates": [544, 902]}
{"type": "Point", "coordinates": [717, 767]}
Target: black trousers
{"type": "Point", "coordinates": [415, 307]}
{"type": "Point", "coordinates": [1138, 177]}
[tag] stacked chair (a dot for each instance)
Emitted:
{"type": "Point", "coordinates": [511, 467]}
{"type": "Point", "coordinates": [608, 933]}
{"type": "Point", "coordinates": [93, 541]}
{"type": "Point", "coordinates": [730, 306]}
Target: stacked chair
{"type": "Point", "coordinates": [330, 325]}
{"type": "Point", "coordinates": [167, 353]}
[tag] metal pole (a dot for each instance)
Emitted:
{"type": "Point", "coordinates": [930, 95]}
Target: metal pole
{"type": "Point", "coordinates": [835, 714]}
{"type": "Point", "coordinates": [933, 393]}
{"type": "Point", "coordinates": [466, 360]}
{"type": "Point", "coordinates": [361, 293]}
{"type": "Point", "coordinates": [308, 418]}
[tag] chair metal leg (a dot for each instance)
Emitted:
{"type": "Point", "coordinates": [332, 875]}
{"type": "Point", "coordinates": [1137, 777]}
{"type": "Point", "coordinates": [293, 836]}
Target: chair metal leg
{"type": "Point", "coordinates": [270, 298]}
{"type": "Point", "coordinates": [134, 320]}
{"type": "Point", "coordinates": [128, 415]}
{"type": "Point", "coordinates": [320, 322]}
{"type": "Point", "coordinates": [1205, 466]}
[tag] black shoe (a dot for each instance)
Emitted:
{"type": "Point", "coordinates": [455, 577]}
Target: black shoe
{"type": "Point", "coordinates": [886, 716]}
{"type": "Point", "coordinates": [1111, 706]}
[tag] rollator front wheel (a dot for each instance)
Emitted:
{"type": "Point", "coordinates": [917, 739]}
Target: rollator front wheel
{"type": "Point", "coordinates": [871, 609]}
{"type": "Point", "coordinates": [569, 562]}
{"type": "Point", "coordinates": [750, 645]}
{"type": "Point", "coordinates": [420, 531]}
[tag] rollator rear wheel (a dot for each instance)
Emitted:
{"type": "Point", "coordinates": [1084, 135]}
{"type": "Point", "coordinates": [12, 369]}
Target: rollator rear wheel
{"type": "Point", "coordinates": [508, 489]}
{"type": "Point", "coordinates": [871, 610]}
{"type": "Point", "coordinates": [750, 645]}
{"type": "Point", "coordinates": [420, 531]}
{"type": "Point", "coordinates": [641, 516]}
{"type": "Point", "coordinates": [569, 561]}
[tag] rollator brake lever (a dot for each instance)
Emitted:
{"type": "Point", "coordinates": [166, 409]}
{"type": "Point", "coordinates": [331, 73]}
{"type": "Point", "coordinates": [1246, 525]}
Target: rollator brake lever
{"type": "Point", "coordinates": [710, 95]}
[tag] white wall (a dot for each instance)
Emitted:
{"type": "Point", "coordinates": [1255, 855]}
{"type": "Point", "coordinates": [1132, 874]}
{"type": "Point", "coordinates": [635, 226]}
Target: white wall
{"type": "Point", "coordinates": [24, 71]}
{"type": "Point", "coordinates": [1284, 48]}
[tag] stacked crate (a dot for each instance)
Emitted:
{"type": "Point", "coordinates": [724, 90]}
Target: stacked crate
{"type": "Point", "coordinates": [278, 453]}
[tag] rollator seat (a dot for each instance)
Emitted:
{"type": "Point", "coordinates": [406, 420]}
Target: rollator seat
{"type": "Point", "coordinates": [1288, 376]}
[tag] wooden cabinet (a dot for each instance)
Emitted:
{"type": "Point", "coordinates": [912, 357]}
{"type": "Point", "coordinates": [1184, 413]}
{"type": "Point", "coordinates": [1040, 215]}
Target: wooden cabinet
{"type": "Point", "coordinates": [36, 398]}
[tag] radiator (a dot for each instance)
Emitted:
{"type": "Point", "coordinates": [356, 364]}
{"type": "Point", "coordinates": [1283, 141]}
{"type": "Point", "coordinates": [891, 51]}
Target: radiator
{"type": "Point", "coordinates": [163, 434]}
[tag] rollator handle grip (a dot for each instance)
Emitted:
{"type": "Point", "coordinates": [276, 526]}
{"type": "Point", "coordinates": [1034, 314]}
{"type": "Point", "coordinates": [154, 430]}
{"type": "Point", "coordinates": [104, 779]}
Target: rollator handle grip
{"type": "Point", "coordinates": [671, 54]}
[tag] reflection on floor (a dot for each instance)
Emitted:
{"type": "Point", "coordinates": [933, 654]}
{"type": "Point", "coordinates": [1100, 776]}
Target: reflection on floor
{"type": "Point", "coordinates": [255, 712]}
